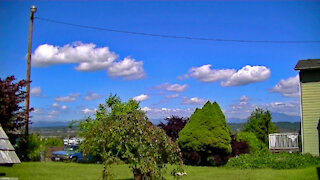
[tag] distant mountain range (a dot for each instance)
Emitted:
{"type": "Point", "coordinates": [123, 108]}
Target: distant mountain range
{"type": "Point", "coordinates": [276, 117]}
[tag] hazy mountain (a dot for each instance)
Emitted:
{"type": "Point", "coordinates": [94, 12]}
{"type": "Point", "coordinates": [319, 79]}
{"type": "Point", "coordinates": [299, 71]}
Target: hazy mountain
{"type": "Point", "coordinates": [49, 123]}
{"type": "Point", "coordinates": [276, 117]}
{"type": "Point", "coordinates": [280, 117]}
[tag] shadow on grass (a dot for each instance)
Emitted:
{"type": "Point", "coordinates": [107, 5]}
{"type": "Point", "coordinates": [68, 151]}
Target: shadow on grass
{"type": "Point", "coordinates": [318, 172]}
{"type": "Point", "coordinates": [126, 179]}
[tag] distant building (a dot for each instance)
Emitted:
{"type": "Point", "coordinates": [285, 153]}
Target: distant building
{"type": "Point", "coordinates": [310, 104]}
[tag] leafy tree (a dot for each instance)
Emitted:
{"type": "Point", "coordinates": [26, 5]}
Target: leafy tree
{"type": "Point", "coordinates": [173, 126]}
{"type": "Point", "coordinates": [121, 131]}
{"type": "Point", "coordinates": [206, 133]}
{"type": "Point", "coordinates": [12, 114]}
{"type": "Point", "coordinates": [259, 123]}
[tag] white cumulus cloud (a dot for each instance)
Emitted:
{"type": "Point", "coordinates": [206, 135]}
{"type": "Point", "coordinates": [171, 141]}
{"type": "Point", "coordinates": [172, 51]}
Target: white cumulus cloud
{"type": "Point", "coordinates": [205, 74]}
{"type": "Point", "coordinates": [193, 100]}
{"type": "Point", "coordinates": [64, 107]}
{"type": "Point", "coordinates": [91, 96]}
{"type": "Point", "coordinates": [36, 91]}
{"type": "Point", "coordinates": [128, 69]}
{"type": "Point", "coordinates": [230, 77]}
{"type": "Point", "coordinates": [244, 98]}
{"type": "Point", "coordinates": [287, 87]}
{"type": "Point", "coordinates": [69, 98]}
{"type": "Point", "coordinates": [172, 96]}
{"type": "Point", "coordinates": [88, 57]}
{"type": "Point", "coordinates": [141, 97]}
{"type": "Point", "coordinates": [88, 111]}
{"type": "Point", "coordinates": [172, 87]}
{"type": "Point", "coordinates": [55, 105]}
{"type": "Point", "coordinates": [247, 75]}
{"type": "Point", "coordinates": [157, 113]}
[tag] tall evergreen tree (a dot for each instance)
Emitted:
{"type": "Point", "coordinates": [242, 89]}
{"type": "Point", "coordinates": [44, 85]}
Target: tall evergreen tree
{"type": "Point", "coordinates": [259, 123]}
{"type": "Point", "coordinates": [206, 132]}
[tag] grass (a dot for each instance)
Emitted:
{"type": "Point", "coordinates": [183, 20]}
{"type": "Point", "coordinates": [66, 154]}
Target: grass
{"type": "Point", "coordinates": [76, 171]}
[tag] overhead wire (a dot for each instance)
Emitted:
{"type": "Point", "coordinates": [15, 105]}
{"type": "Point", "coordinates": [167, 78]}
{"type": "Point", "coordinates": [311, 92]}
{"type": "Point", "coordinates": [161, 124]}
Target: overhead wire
{"type": "Point", "coordinates": [174, 36]}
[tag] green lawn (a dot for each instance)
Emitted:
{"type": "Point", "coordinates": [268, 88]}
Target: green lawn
{"type": "Point", "coordinates": [76, 171]}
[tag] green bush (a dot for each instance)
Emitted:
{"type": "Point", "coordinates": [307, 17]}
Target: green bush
{"type": "Point", "coordinates": [30, 150]}
{"type": "Point", "coordinates": [275, 161]}
{"type": "Point", "coordinates": [206, 133]}
{"type": "Point", "coordinates": [52, 141]}
{"type": "Point", "coordinates": [256, 146]}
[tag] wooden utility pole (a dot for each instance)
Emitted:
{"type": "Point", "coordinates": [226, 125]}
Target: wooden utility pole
{"type": "Point", "coordinates": [33, 9]}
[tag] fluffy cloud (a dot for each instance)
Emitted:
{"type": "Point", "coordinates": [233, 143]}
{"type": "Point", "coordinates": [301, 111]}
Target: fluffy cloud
{"type": "Point", "coordinates": [287, 87]}
{"type": "Point", "coordinates": [159, 113]}
{"type": "Point", "coordinates": [230, 77]}
{"type": "Point", "coordinates": [247, 75]}
{"type": "Point", "coordinates": [88, 111]}
{"type": "Point", "coordinates": [53, 112]}
{"type": "Point", "coordinates": [205, 74]}
{"type": "Point", "coordinates": [70, 98]}
{"type": "Point", "coordinates": [141, 97]}
{"type": "Point", "coordinates": [172, 87]}
{"type": "Point", "coordinates": [55, 105]}
{"type": "Point", "coordinates": [291, 108]}
{"type": "Point", "coordinates": [244, 98]}
{"type": "Point", "coordinates": [243, 108]}
{"type": "Point", "coordinates": [65, 99]}
{"type": "Point", "coordinates": [172, 96]}
{"type": "Point", "coordinates": [36, 91]}
{"type": "Point", "coordinates": [91, 96]}
{"type": "Point", "coordinates": [128, 69]}
{"type": "Point", "coordinates": [193, 100]}
{"type": "Point", "coordinates": [88, 57]}
{"type": "Point", "coordinates": [64, 107]}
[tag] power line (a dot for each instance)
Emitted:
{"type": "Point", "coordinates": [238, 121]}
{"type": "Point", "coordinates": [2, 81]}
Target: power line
{"type": "Point", "coordinates": [173, 36]}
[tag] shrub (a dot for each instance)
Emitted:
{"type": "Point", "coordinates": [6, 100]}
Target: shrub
{"type": "Point", "coordinates": [238, 147]}
{"type": "Point", "coordinates": [206, 133]}
{"type": "Point", "coordinates": [255, 145]}
{"type": "Point", "coordinates": [282, 160]}
{"type": "Point", "coordinates": [173, 126]}
{"type": "Point", "coordinates": [52, 141]}
{"type": "Point", "coordinates": [30, 150]}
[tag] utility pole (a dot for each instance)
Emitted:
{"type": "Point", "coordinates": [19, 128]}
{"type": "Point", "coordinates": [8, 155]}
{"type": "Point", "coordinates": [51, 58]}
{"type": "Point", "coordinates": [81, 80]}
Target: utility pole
{"type": "Point", "coordinates": [33, 9]}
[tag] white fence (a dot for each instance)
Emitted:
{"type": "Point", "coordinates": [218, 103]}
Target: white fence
{"type": "Point", "coordinates": [284, 142]}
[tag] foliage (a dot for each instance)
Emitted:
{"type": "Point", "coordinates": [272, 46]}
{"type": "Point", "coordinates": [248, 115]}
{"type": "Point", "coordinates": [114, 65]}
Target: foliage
{"type": "Point", "coordinates": [30, 150]}
{"type": "Point", "coordinates": [173, 126]}
{"type": "Point", "coordinates": [238, 147]}
{"type": "Point", "coordinates": [122, 131]}
{"type": "Point", "coordinates": [259, 122]}
{"type": "Point", "coordinates": [206, 133]}
{"type": "Point", "coordinates": [12, 114]}
{"type": "Point", "coordinates": [273, 160]}
{"type": "Point", "coordinates": [52, 141]}
{"type": "Point", "coordinates": [256, 145]}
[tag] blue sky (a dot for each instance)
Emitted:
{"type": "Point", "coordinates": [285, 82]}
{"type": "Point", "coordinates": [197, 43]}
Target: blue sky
{"type": "Point", "coordinates": [74, 69]}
